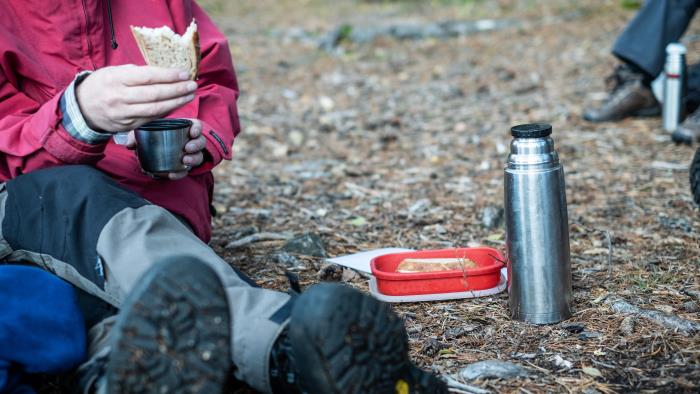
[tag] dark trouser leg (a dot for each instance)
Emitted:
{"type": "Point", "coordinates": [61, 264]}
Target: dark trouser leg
{"type": "Point", "coordinates": [54, 218]}
{"type": "Point", "coordinates": [658, 23]}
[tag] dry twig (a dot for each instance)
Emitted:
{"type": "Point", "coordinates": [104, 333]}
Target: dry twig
{"type": "Point", "coordinates": [258, 237]}
{"type": "Point", "coordinates": [673, 322]}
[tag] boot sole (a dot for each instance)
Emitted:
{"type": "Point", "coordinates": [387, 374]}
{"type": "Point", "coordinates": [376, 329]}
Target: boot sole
{"type": "Point", "coordinates": [347, 342]}
{"type": "Point", "coordinates": [647, 112]}
{"type": "Point", "coordinates": [642, 113]}
{"type": "Point", "coordinates": [681, 137]}
{"type": "Point", "coordinates": [172, 334]}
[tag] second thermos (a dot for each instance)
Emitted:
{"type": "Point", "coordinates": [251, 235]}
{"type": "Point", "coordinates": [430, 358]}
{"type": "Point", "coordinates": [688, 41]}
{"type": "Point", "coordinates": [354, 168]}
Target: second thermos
{"type": "Point", "coordinates": [537, 228]}
{"type": "Point", "coordinates": [675, 86]}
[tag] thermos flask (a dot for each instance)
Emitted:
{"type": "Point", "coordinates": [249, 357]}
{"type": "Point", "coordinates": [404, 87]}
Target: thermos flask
{"type": "Point", "coordinates": [537, 228]}
{"type": "Point", "coordinates": [673, 109]}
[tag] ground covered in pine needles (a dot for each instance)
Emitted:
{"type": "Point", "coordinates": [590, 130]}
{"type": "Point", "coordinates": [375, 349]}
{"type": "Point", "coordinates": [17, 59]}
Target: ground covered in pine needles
{"type": "Point", "coordinates": [366, 126]}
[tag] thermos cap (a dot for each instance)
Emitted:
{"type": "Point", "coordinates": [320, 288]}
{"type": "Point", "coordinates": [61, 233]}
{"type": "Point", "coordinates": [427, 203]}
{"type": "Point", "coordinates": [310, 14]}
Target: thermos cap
{"type": "Point", "coordinates": [531, 130]}
{"type": "Point", "coordinates": [675, 49]}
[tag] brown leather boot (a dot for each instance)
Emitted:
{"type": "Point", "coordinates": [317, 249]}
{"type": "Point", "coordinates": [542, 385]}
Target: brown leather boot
{"type": "Point", "coordinates": [629, 96]}
{"type": "Point", "coordinates": [688, 131]}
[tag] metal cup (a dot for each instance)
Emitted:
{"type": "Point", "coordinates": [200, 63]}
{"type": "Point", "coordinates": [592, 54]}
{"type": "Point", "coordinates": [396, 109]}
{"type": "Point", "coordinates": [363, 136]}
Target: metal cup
{"type": "Point", "coordinates": [160, 145]}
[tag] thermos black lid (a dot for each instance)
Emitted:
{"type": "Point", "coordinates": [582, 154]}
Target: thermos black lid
{"type": "Point", "coordinates": [531, 130]}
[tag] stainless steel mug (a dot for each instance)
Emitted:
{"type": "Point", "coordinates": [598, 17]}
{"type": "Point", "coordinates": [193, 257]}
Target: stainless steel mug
{"type": "Point", "coordinates": [160, 144]}
{"type": "Point", "coordinates": [673, 109]}
{"type": "Point", "coordinates": [537, 228]}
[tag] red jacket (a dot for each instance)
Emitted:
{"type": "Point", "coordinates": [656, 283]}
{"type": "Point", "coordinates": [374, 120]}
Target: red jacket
{"type": "Point", "coordinates": [44, 44]}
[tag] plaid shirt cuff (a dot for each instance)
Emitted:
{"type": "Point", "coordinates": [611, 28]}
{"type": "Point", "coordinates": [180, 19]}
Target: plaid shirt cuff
{"type": "Point", "coordinates": [73, 120]}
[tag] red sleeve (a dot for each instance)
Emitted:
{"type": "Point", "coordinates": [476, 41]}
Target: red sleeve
{"type": "Point", "coordinates": [32, 137]}
{"type": "Point", "coordinates": [215, 101]}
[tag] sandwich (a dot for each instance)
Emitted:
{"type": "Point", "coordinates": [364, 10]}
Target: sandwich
{"type": "Point", "coordinates": [409, 266]}
{"type": "Point", "coordinates": [163, 47]}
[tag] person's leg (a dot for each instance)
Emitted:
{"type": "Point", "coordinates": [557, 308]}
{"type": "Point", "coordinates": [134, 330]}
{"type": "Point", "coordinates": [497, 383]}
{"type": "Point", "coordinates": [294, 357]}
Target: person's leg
{"type": "Point", "coordinates": [641, 47]}
{"type": "Point", "coordinates": [150, 234]}
{"type": "Point", "coordinates": [658, 23]}
{"type": "Point", "coordinates": [357, 343]}
{"type": "Point", "coordinates": [79, 224]}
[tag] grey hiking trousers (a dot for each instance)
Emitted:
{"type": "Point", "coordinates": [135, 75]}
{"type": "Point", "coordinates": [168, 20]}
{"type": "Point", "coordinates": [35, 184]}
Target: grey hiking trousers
{"type": "Point", "coordinates": [77, 223]}
{"type": "Point", "coordinates": [657, 24]}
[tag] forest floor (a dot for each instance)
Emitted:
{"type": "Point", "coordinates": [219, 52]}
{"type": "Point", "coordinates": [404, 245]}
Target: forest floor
{"type": "Point", "coordinates": [399, 139]}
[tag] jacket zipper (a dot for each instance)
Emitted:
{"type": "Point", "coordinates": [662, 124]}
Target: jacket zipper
{"type": "Point", "coordinates": [87, 34]}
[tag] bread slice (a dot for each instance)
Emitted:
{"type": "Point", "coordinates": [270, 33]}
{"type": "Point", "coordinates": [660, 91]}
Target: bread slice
{"type": "Point", "coordinates": [164, 48]}
{"type": "Point", "coordinates": [408, 266]}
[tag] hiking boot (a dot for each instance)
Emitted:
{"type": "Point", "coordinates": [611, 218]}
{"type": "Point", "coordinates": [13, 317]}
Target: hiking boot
{"type": "Point", "coordinates": [172, 335]}
{"type": "Point", "coordinates": [340, 340]}
{"type": "Point", "coordinates": [629, 96]}
{"type": "Point", "coordinates": [688, 131]}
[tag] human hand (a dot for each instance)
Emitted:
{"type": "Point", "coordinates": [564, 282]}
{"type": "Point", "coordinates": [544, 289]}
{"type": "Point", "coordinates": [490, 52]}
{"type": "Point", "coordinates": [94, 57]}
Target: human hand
{"type": "Point", "coordinates": [194, 150]}
{"type": "Point", "coordinates": [120, 98]}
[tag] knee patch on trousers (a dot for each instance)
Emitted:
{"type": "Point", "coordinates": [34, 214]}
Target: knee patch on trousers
{"type": "Point", "coordinates": [61, 211]}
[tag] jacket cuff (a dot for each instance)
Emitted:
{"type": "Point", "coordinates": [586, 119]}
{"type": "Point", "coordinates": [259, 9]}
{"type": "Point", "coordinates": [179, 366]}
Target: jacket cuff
{"type": "Point", "coordinates": [73, 120]}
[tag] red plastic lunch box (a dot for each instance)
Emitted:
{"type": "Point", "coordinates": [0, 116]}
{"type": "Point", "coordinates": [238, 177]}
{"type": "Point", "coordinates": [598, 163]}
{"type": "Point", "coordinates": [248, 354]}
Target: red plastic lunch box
{"type": "Point", "coordinates": [487, 275]}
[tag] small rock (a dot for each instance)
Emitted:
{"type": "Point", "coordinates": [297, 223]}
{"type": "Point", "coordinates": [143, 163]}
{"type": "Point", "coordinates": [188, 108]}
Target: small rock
{"type": "Point", "coordinates": [260, 213]}
{"type": "Point", "coordinates": [287, 260]}
{"type": "Point", "coordinates": [432, 347]}
{"type": "Point", "coordinates": [414, 330]}
{"type": "Point", "coordinates": [308, 244]}
{"type": "Point", "coordinates": [574, 328]}
{"type": "Point", "coordinates": [456, 332]}
{"type": "Point", "coordinates": [296, 137]}
{"type": "Point", "coordinates": [280, 150]}
{"type": "Point", "coordinates": [331, 40]}
{"type": "Point", "coordinates": [690, 306]}
{"type": "Point", "coordinates": [460, 127]}
{"type": "Point", "coordinates": [586, 335]}
{"type": "Point", "coordinates": [358, 221]}
{"type": "Point", "coordinates": [419, 206]}
{"type": "Point", "coordinates": [243, 232]}
{"type": "Point", "coordinates": [627, 325]}
{"type": "Point", "coordinates": [595, 372]}
{"type": "Point", "coordinates": [330, 273]}
{"type": "Point", "coordinates": [664, 308]}
{"type": "Point", "coordinates": [349, 275]}
{"type": "Point", "coordinates": [492, 217]}
{"type": "Point", "coordinates": [289, 94]}
{"type": "Point", "coordinates": [326, 103]}
{"type": "Point", "coordinates": [492, 369]}
{"type": "Point", "coordinates": [561, 362]}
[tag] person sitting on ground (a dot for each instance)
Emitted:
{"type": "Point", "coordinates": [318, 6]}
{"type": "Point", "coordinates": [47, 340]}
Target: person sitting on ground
{"type": "Point", "coordinates": [164, 312]}
{"type": "Point", "coordinates": [641, 49]}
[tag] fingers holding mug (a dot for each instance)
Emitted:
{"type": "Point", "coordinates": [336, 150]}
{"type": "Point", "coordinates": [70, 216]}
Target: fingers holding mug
{"type": "Point", "coordinates": [174, 176]}
{"type": "Point", "coordinates": [193, 160]}
{"type": "Point", "coordinates": [194, 155]}
{"type": "Point", "coordinates": [196, 129]}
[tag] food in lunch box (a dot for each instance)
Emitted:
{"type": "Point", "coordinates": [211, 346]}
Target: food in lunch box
{"type": "Point", "coordinates": [414, 265]}
{"type": "Point", "coordinates": [163, 47]}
